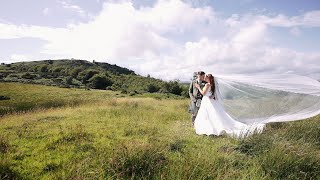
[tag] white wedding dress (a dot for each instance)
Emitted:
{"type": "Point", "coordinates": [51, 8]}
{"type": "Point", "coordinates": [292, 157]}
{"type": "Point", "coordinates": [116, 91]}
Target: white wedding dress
{"type": "Point", "coordinates": [212, 119]}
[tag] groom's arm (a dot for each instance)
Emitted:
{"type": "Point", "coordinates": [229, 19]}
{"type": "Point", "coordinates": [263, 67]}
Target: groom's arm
{"type": "Point", "coordinates": [191, 91]}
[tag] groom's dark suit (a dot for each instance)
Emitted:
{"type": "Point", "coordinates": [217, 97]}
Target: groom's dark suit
{"type": "Point", "coordinates": [195, 94]}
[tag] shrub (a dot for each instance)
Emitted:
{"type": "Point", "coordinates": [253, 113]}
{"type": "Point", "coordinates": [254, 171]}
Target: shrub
{"type": "Point", "coordinates": [68, 80]}
{"type": "Point", "coordinates": [12, 75]}
{"type": "Point", "coordinates": [4, 98]}
{"type": "Point", "coordinates": [172, 87]}
{"type": "Point", "coordinates": [28, 76]}
{"type": "Point", "coordinates": [85, 75]}
{"type": "Point", "coordinates": [56, 69]}
{"type": "Point", "coordinates": [185, 91]}
{"type": "Point", "coordinates": [74, 72]}
{"type": "Point", "coordinates": [124, 91]}
{"type": "Point", "coordinates": [99, 81]}
{"type": "Point", "coordinates": [43, 68]}
{"type": "Point", "coordinates": [152, 88]}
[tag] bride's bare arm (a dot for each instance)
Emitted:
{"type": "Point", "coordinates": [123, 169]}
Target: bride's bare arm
{"type": "Point", "coordinates": [204, 90]}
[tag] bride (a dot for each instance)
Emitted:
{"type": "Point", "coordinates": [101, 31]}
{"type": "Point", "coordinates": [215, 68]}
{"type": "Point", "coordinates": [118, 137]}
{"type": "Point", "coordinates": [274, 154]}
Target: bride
{"type": "Point", "coordinates": [212, 119]}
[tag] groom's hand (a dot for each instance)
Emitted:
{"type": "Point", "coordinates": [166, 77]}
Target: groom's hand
{"type": "Point", "coordinates": [197, 86]}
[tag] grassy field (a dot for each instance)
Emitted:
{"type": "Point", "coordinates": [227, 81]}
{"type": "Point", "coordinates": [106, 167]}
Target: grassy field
{"type": "Point", "coordinates": [55, 133]}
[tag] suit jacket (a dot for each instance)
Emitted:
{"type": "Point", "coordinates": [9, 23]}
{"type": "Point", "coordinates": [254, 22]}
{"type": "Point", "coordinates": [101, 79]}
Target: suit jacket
{"type": "Point", "coordinates": [194, 92]}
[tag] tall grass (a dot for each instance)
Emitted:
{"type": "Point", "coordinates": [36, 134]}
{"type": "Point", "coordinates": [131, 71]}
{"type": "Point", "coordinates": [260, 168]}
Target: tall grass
{"type": "Point", "coordinates": [108, 137]}
{"type": "Point", "coordinates": [28, 97]}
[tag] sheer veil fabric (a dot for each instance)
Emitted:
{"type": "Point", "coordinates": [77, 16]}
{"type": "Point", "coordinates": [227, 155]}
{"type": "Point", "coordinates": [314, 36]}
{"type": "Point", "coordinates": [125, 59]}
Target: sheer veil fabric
{"type": "Point", "coordinates": [255, 100]}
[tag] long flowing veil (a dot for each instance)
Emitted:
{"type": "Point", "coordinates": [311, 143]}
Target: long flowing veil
{"type": "Point", "coordinates": [256, 99]}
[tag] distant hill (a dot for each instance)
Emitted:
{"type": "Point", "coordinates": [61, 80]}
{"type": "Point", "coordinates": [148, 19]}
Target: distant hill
{"type": "Point", "coordinates": [35, 66]}
{"type": "Point", "coordinates": [85, 74]}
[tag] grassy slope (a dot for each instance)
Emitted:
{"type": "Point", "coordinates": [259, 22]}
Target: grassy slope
{"type": "Point", "coordinates": [98, 134]}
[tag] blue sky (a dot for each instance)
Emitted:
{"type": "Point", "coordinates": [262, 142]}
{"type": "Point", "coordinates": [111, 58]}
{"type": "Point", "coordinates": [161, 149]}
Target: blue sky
{"type": "Point", "coordinates": [168, 39]}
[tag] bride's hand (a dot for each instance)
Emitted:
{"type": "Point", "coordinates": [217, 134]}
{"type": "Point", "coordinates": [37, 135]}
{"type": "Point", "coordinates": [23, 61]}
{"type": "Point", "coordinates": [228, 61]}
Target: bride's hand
{"type": "Point", "coordinates": [197, 86]}
{"type": "Point", "coordinates": [212, 97]}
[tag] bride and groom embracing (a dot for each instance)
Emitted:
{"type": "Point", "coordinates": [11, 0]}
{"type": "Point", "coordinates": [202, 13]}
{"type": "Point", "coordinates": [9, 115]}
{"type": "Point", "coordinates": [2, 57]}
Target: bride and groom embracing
{"type": "Point", "coordinates": [208, 115]}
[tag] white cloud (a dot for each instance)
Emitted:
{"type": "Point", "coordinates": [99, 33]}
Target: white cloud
{"type": "Point", "coordinates": [251, 35]}
{"type": "Point", "coordinates": [295, 31]}
{"type": "Point", "coordinates": [45, 11]}
{"type": "Point", "coordinates": [19, 57]}
{"type": "Point", "coordinates": [72, 7]}
{"type": "Point", "coordinates": [309, 19]}
{"type": "Point", "coordinates": [172, 39]}
{"type": "Point", "coordinates": [11, 31]}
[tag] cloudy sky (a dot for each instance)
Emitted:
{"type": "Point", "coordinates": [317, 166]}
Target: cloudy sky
{"type": "Point", "coordinates": [168, 39]}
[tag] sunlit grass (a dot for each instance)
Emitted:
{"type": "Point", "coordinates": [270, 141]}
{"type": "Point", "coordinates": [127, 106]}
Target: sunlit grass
{"type": "Point", "coordinates": [26, 97]}
{"type": "Point", "coordinates": [105, 136]}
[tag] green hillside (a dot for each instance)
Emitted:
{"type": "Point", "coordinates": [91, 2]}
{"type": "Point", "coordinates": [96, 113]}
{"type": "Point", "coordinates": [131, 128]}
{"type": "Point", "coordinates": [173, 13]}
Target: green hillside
{"type": "Point", "coordinates": [84, 74]}
{"type": "Point", "coordinates": [58, 133]}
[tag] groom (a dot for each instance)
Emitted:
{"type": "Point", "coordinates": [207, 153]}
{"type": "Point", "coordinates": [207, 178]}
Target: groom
{"type": "Point", "coordinates": [195, 94]}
